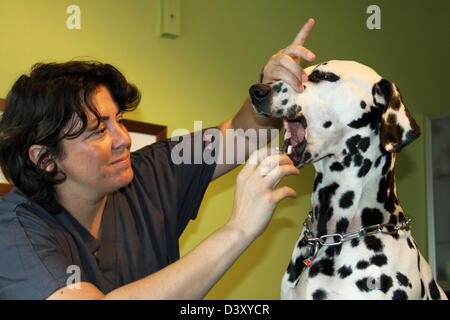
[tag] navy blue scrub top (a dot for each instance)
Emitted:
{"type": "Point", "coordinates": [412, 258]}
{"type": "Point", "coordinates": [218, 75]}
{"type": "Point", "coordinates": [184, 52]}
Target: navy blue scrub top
{"type": "Point", "coordinates": [41, 252]}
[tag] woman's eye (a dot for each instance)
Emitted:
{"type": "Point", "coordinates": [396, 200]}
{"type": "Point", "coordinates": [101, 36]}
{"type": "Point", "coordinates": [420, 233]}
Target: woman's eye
{"type": "Point", "coordinates": [98, 132]}
{"type": "Point", "coordinates": [120, 119]}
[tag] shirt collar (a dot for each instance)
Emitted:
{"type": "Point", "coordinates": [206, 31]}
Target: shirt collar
{"type": "Point", "coordinates": [69, 222]}
{"type": "Point", "coordinates": [78, 231]}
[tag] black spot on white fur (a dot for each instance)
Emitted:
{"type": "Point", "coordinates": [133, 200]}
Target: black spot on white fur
{"type": "Point", "coordinates": [336, 166]}
{"type": "Point", "coordinates": [371, 216]}
{"type": "Point", "coordinates": [363, 104]}
{"type": "Point", "coordinates": [379, 260]}
{"type": "Point", "coordinates": [373, 243]}
{"type": "Point", "coordinates": [324, 266]}
{"type": "Point", "coordinates": [403, 280]}
{"type": "Point", "coordinates": [352, 144]}
{"type": "Point", "coordinates": [364, 144]}
{"type": "Point", "coordinates": [385, 283]}
{"type": "Point", "coordinates": [434, 291]}
{"type": "Point", "coordinates": [319, 294]}
{"type": "Point", "coordinates": [363, 284]}
{"type": "Point", "coordinates": [295, 268]}
{"type": "Point", "coordinates": [410, 245]}
{"type": "Point", "coordinates": [317, 76]}
{"type": "Point", "coordinates": [317, 180]}
{"type": "Point", "coordinates": [277, 87]}
{"type": "Point", "coordinates": [342, 225]}
{"type": "Point", "coordinates": [367, 164]}
{"type": "Point", "coordinates": [362, 264]}
{"type": "Point", "coordinates": [363, 121]}
{"type": "Point", "coordinates": [325, 210]}
{"type": "Point", "coordinates": [399, 294]}
{"type": "Point", "coordinates": [344, 271]}
{"type": "Point", "coordinates": [346, 200]}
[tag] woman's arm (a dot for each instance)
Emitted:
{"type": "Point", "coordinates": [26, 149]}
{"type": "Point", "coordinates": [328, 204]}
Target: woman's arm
{"type": "Point", "coordinates": [193, 275]}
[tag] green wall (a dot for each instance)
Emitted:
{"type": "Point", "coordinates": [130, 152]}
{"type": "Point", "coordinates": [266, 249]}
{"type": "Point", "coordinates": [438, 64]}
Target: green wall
{"type": "Point", "coordinates": [206, 72]}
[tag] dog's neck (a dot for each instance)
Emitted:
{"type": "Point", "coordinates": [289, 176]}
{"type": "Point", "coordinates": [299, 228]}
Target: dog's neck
{"type": "Point", "coordinates": [351, 192]}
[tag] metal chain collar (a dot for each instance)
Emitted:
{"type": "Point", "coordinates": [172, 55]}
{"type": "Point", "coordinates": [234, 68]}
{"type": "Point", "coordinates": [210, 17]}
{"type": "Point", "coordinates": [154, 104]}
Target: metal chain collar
{"type": "Point", "coordinates": [339, 238]}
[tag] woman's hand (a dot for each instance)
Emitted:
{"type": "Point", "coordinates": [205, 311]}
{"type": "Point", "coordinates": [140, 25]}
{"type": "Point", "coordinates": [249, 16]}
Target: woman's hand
{"type": "Point", "coordinates": [285, 66]}
{"type": "Point", "coordinates": [255, 196]}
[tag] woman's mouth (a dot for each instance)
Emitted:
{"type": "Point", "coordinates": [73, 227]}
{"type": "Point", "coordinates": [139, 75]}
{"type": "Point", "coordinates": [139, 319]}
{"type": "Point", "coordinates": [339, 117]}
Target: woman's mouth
{"type": "Point", "coordinates": [124, 161]}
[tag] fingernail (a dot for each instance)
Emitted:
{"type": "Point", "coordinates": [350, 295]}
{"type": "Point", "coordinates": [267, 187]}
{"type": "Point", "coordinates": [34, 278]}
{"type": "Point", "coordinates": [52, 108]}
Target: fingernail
{"type": "Point", "coordinates": [304, 78]}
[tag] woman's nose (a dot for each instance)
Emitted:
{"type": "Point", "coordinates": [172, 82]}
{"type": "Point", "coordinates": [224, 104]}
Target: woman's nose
{"type": "Point", "coordinates": [121, 137]}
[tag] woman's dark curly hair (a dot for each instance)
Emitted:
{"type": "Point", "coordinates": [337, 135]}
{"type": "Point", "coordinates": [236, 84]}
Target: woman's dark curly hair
{"type": "Point", "coordinates": [44, 108]}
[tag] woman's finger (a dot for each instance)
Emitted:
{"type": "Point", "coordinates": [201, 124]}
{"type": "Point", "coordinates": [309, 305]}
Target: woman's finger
{"type": "Point", "coordinates": [297, 51]}
{"type": "Point", "coordinates": [291, 65]}
{"type": "Point", "coordinates": [280, 73]}
{"type": "Point", "coordinates": [273, 177]}
{"type": "Point", "coordinates": [304, 32]}
{"type": "Point", "coordinates": [294, 67]}
{"type": "Point", "coordinates": [283, 192]}
{"type": "Point", "coordinates": [258, 156]}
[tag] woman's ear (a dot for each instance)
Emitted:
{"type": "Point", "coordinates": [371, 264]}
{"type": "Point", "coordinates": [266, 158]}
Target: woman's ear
{"type": "Point", "coordinates": [37, 156]}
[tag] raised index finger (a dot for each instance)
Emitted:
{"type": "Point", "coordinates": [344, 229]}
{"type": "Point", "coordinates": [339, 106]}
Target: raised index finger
{"type": "Point", "coordinates": [304, 32]}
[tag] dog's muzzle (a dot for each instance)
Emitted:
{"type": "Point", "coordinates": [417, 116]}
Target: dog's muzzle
{"type": "Point", "coordinates": [294, 139]}
{"type": "Point", "coordinates": [261, 99]}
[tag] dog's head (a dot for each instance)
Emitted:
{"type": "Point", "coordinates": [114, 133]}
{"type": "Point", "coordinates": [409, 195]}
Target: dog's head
{"type": "Point", "coordinates": [341, 99]}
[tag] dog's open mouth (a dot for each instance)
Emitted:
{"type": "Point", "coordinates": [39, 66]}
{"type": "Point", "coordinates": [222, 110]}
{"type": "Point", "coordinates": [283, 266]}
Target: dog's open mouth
{"type": "Point", "coordinates": [294, 138]}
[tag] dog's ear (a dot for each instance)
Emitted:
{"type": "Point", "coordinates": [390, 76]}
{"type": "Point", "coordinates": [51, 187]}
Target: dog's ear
{"type": "Point", "coordinates": [398, 128]}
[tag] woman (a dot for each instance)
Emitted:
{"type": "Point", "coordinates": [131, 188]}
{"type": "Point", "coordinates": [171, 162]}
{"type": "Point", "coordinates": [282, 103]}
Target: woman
{"type": "Point", "coordinates": [87, 219]}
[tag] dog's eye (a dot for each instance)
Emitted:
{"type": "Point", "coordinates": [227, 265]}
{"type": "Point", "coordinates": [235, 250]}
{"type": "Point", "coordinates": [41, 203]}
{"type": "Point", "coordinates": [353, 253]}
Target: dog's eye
{"type": "Point", "coordinates": [317, 76]}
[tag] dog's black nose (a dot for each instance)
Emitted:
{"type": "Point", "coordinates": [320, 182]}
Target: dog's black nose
{"type": "Point", "coordinates": [259, 93]}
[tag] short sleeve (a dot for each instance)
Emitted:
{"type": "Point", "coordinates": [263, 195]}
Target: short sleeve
{"type": "Point", "coordinates": [181, 184]}
{"type": "Point", "coordinates": [33, 264]}
{"type": "Point", "coordinates": [194, 178]}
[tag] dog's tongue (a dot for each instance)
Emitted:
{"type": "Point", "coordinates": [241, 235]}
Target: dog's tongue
{"type": "Point", "coordinates": [294, 131]}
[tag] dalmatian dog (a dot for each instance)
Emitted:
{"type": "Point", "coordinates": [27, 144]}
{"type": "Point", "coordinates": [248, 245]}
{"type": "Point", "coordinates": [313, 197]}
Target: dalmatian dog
{"type": "Point", "coordinates": [356, 243]}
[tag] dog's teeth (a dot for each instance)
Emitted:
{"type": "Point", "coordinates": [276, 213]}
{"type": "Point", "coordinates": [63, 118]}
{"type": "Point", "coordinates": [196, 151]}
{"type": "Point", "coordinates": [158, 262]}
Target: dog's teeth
{"type": "Point", "coordinates": [289, 149]}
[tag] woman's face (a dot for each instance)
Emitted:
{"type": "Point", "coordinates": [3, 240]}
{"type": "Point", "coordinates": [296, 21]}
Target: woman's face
{"type": "Point", "coordinates": [98, 161]}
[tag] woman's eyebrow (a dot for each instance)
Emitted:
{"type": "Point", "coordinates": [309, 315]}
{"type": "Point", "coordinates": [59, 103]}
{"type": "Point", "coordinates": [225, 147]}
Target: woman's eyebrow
{"type": "Point", "coordinates": [92, 121]}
